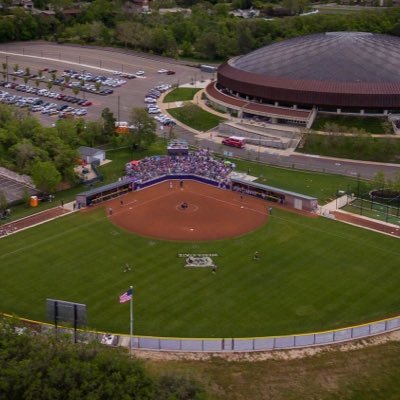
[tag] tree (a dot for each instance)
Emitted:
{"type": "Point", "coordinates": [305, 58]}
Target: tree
{"type": "Point", "coordinates": [379, 180]}
{"type": "Point", "coordinates": [396, 182]}
{"type": "Point", "coordinates": [45, 176]}
{"type": "Point", "coordinates": [27, 71]}
{"type": "Point", "coordinates": [46, 367]}
{"type": "Point", "coordinates": [124, 32]}
{"type": "Point", "coordinates": [143, 133]}
{"type": "Point", "coordinates": [5, 67]}
{"type": "Point", "coordinates": [3, 202]}
{"type": "Point", "coordinates": [24, 152]}
{"type": "Point", "coordinates": [173, 387]}
{"type": "Point", "coordinates": [108, 122]}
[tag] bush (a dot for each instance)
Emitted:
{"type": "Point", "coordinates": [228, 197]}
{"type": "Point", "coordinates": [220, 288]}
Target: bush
{"type": "Point", "coordinates": [171, 387]}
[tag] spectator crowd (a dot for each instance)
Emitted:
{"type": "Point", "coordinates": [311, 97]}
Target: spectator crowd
{"type": "Point", "coordinates": [195, 163]}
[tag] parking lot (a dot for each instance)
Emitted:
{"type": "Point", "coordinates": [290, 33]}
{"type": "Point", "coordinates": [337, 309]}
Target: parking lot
{"type": "Point", "coordinates": [39, 56]}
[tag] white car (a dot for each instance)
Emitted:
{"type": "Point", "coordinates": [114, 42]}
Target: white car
{"type": "Point", "coordinates": [139, 73]}
{"type": "Point", "coordinates": [150, 100]}
{"type": "Point", "coordinates": [162, 71]}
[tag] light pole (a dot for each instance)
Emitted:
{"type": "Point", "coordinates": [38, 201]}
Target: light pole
{"type": "Point", "coordinates": [131, 323]}
{"type": "Point", "coordinates": [7, 67]}
{"type": "Point", "coordinates": [118, 108]}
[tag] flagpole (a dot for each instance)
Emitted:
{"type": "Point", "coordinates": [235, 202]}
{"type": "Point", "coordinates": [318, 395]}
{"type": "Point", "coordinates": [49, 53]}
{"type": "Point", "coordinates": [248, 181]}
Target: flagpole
{"type": "Point", "coordinates": [131, 323]}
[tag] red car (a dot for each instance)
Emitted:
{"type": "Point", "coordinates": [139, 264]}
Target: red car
{"type": "Point", "coordinates": [87, 103]}
{"type": "Point", "coordinates": [234, 142]}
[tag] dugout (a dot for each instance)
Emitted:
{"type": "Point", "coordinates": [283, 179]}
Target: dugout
{"type": "Point", "coordinates": [269, 193]}
{"type": "Point", "coordinates": [103, 193]}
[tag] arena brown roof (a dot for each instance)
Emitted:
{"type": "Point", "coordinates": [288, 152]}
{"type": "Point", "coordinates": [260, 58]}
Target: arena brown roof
{"type": "Point", "coordinates": [374, 84]}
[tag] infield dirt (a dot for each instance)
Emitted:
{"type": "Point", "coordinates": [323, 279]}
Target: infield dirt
{"type": "Point", "coordinates": [211, 213]}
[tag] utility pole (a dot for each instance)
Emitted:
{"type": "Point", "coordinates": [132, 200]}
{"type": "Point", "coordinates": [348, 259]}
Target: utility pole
{"type": "Point", "coordinates": [118, 108]}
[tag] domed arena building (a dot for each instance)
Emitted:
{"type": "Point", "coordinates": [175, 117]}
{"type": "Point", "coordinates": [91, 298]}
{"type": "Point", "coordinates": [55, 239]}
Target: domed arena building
{"type": "Point", "coordinates": [290, 81]}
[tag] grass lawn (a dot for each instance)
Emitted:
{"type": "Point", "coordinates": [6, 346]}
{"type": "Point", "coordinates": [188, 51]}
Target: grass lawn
{"type": "Point", "coordinates": [372, 125]}
{"type": "Point", "coordinates": [314, 274]}
{"type": "Point", "coordinates": [364, 374]}
{"type": "Point", "coordinates": [321, 186]}
{"type": "Point", "coordinates": [180, 94]}
{"type": "Point", "coordinates": [195, 117]}
{"type": "Point", "coordinates": [353, 147]}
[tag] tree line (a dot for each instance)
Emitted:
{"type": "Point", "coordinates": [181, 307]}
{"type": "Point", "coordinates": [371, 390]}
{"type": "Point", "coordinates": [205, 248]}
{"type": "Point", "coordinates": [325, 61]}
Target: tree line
{"type": "Point", "coordinates": [208, 32]}
{"type": "Point", "coordinates": [45, 367]}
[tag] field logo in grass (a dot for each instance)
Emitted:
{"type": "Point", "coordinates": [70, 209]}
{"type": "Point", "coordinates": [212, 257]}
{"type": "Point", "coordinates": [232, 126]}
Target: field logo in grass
{"type": "Point", "coordinates": [199, 260]}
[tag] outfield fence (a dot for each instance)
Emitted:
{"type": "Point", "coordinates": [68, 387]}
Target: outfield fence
{"type": "Point", "coordinates": [266, 343]}
{"type": "Point", "coordinates": [226, 345]}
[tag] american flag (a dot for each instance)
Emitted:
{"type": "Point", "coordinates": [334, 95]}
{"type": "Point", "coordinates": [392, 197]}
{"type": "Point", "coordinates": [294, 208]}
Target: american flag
{"type": "Point", "coordinates": [126, 296]}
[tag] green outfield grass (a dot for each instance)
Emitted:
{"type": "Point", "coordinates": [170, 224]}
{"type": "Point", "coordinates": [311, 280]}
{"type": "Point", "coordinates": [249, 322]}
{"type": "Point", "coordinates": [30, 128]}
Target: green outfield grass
{"type": "Point", "coordinates": [314, 274]}
{"type": "Point", "coordinates": [180, 94]}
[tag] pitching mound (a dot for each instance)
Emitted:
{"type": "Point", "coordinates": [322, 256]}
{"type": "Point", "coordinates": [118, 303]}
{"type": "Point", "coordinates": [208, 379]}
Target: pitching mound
{"type": "Point", "coordinates": [192, 213]}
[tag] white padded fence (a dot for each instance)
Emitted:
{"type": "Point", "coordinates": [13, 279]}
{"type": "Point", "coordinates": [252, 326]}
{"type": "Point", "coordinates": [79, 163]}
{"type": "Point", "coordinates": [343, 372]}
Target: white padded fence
{"type": "Point", "coordinates": [266, 343]}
